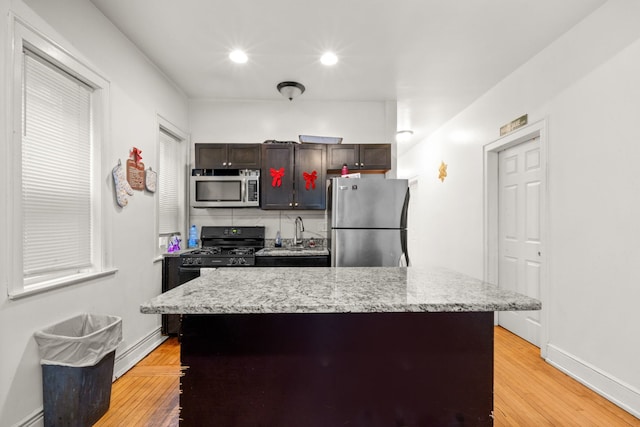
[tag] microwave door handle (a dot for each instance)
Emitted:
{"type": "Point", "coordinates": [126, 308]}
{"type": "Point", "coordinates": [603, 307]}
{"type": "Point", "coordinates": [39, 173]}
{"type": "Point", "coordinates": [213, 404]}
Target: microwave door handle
{"type": "Point", "coordinates": [243, 191]}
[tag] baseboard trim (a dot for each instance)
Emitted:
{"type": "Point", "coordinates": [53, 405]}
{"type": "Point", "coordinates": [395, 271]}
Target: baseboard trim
{"type": "Point", "coordinates": [138, 351]}
{"type": "Point", "coordinates": [34, 420]}
{"type": "Point", "coordinates": [123, 363]}
{"type": "Point", "coordinates": [611, 388]}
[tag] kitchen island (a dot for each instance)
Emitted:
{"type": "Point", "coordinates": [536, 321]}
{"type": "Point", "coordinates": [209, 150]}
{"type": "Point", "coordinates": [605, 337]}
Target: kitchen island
{"type": "Point", "coordinates": [337, 346]}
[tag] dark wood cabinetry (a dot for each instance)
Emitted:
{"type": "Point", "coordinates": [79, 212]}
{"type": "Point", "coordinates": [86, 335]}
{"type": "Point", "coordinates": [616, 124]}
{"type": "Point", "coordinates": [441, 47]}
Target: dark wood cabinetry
{"type": "Point", "coordinates": [293, 261]}
{"type": "Point", "coordinates": [293, 176]}
{"type": "Point", "coordinates": [227, 156]}
{"type": "Point", "coordinates": [359, 157]}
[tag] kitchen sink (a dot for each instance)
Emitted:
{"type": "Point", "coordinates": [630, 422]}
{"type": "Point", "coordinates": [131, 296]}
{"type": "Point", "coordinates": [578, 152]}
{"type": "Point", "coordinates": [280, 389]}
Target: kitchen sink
{"type": "Point", "coordinates": [293, 256]}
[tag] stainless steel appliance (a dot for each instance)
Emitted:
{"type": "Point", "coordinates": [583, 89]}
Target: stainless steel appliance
{"type": "Point", "coordinates": [225, 188]}
{"type": "Point", "coordinates": [368, 222]}
{"type": "Point", "coordinates": [221, 247]}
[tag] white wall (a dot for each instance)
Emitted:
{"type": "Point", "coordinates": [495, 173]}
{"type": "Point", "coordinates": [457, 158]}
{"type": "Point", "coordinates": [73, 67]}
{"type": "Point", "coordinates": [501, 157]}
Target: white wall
{"type": "Point", "coordinates": [138, 94]}
{"type": "Point", "coordinates": [228, 121]}
{"type": "Point", "coordinates": [586, 87]}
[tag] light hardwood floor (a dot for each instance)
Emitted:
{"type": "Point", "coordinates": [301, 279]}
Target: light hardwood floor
{"type": "Point", "coordinates": [528, 391]}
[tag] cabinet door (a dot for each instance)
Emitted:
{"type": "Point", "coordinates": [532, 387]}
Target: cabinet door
{"type": "Point", "coordinates": [339, 154]}
{"type": "Point", "coordinates": [276, 193]}
{"type": "Point", "coordinates": [375, 156]}
{"type": "Point", "coordinates": [311, 176]}
{"type": "Point", "coordinates": [243, 156]}
{"type": "Point", "coordinates": [210, 156]}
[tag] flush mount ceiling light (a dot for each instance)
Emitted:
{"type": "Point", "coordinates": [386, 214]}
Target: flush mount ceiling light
{"type": "Point", "coordinates": [403, 135]}
{"type": "Point", "coordinates": [238, 56]}
{"type": "Point", "coordinates": [290, 90]}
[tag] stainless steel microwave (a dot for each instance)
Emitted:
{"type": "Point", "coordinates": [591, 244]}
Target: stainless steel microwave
{"type": "Point", "coordinates": [209, 190]}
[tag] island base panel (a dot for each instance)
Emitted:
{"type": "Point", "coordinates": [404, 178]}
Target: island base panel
{"type": "Point", "coordinates": [364, 369]}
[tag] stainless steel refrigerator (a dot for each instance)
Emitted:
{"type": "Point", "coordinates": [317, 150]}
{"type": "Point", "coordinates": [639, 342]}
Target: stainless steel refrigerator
{"type": "Point", "coordinates": [367, 222]}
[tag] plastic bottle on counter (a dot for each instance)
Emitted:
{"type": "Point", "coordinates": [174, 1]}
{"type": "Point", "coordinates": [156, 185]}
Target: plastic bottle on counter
{"type": "Point", "coordinates": [278, 242]}
{"type": "Point", "coordinates": [193, 237]}
{"type": "Point", "coordinates": [345, 170]}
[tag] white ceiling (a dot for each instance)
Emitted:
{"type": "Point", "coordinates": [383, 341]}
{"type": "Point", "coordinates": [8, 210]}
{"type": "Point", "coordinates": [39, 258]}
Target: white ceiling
{"type": "Point", "coordinates": [433, 57]}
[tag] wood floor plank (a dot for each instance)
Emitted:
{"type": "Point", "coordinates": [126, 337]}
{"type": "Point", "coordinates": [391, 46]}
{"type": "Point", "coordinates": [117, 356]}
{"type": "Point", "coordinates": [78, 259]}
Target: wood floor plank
{"type": "Point", "coordinates": [527, 392]}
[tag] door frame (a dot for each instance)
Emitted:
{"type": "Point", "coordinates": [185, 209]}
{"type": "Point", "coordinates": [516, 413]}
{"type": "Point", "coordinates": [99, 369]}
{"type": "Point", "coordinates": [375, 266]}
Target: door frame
{"type": "Point", "coordinates": [491, 210]}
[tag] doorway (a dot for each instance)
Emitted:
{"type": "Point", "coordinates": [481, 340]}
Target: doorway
{"type": "Point", "coordinates": [515, 195]}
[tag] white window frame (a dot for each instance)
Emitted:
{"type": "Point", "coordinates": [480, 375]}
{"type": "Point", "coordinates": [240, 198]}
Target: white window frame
{"type": "Point", "coordinates": [183, 139]}
{"type": "Point", "coordinates": [26, 35]}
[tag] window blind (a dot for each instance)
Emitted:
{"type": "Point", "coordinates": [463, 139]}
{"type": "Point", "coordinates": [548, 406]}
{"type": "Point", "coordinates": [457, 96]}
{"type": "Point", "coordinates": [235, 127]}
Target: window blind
{"type": "Point", "coordinates": [168, 179]}
{"type": "Point", "coordinates": [56, 169]}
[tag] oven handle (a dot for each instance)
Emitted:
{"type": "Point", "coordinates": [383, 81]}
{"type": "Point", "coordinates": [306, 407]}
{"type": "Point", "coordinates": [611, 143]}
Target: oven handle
{"type": "Point", "coordinates": [188, 269]}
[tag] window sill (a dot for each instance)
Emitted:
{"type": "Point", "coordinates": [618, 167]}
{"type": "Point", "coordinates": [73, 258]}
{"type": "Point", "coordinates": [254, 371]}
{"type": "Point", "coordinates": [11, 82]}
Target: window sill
{"type": "Point", "coordinates": [59, 283]}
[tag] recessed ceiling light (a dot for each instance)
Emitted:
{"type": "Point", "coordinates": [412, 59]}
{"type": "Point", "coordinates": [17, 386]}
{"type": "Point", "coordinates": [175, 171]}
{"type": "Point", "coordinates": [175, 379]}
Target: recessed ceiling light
{"type": "Point", "coordinates": [329, 58]}
{"type": "Point", "coordinates": [238, 56]}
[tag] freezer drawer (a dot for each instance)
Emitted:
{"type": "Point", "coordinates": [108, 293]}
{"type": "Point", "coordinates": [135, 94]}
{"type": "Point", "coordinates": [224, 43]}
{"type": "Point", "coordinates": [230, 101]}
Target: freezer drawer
{"type": "Point", "coordinates": [368, 248]}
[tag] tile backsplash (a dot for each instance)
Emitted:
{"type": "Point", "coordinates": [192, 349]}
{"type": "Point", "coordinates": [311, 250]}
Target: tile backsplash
{"type": "Point", "coordinates": [315, 222]}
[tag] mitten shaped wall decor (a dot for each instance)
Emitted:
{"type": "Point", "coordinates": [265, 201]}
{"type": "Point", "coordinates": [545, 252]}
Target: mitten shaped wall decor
{"type": "Point", "coordinates": [121, 185]}
{"type": "Point", "coordinates": [150, 180]}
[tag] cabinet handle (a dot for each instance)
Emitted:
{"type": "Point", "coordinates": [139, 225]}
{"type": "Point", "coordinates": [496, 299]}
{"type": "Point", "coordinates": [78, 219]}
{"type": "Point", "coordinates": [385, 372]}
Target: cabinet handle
{"type": "Point", "coordinates": [357, 164]}
{"type": "Point", "coordinates": [296, 204]}
{"type": "Point", "coordinates": [224, 163]}
{"type": "Point", "coordinates": [361, 165]}
{"type": "Point", "coordinates": [229, 163]}
{"type": "Point", "coordinates": [290, 204]}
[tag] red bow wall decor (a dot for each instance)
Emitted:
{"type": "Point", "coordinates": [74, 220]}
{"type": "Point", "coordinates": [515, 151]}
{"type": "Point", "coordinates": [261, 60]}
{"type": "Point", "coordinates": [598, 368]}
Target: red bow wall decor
{"type": "Point", "coordinates": [136, 153]}
{"type": "Point", "coordinates": [277, 176]}
{"type": "Point", "coordinates": [310, 179]}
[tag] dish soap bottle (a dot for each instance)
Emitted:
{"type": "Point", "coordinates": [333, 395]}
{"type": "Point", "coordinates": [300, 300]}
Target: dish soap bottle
{"type": "Point", "coordinates": [278, 243]}
{"type": "Point", "coordinates": [345, 170]}
{"type": "Point", "coordinates": [193, 237]}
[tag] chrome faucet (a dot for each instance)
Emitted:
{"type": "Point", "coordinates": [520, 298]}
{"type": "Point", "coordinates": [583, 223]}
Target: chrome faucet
{"type": "Point", "coordinates": [299, 226]}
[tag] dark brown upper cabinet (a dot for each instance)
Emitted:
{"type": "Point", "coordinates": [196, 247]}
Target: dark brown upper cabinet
{"type": "Point", "coordinates": [359, 157]}
{"type": "Point", "coordinates": [227, 156]}
{"type": "Point", "coordinates": [293, 176]}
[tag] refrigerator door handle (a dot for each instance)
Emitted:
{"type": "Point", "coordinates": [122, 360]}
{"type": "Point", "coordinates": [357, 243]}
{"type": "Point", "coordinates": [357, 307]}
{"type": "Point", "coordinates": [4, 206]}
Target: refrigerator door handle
{"type": "Point", "coordinates": [402, 262]}
{"type": "Point", "coordinates": [405, 249]}
{"type": "Point", "coordinates": [405, 211]}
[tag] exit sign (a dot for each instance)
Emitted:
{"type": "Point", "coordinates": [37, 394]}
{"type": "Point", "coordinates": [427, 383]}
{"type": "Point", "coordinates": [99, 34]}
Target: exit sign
{"type": "Point", "coordinates": [514, 124]}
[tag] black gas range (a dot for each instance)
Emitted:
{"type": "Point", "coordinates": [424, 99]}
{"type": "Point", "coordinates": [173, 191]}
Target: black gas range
{"type": "Point", "coordinates": [225, 247]}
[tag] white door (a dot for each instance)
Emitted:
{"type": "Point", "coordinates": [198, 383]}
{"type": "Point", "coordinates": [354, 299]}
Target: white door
{"type": "Point", "coordinates": [520, 258]}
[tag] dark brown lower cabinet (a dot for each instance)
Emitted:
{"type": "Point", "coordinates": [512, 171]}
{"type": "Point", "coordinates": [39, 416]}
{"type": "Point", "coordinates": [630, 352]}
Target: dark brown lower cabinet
{"type": "Point", "coordinates": [293, 261]}
{"type": "Point", "coordinates": [335, 369]}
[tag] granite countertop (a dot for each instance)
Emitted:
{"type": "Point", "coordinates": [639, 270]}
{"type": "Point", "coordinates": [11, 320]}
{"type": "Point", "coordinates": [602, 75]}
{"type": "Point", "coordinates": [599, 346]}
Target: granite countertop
{"type": "Point", "coordinates": [335, 290]}
{"type": "Point", "coordinates": [293, 251]}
